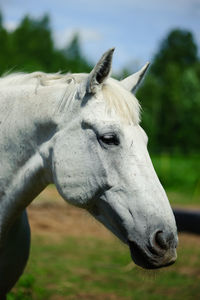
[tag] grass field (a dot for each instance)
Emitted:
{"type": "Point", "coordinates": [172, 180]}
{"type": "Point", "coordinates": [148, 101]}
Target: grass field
{"type": "Point", "coordinates": [74, 257]}
{"type": "Point", "coordinates": [180, 176]}
{"type": "Point", "coordinates": [91, 268]}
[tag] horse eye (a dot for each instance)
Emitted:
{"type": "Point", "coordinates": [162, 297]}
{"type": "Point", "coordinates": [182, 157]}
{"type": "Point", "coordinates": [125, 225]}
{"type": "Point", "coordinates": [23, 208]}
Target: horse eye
{"type": "Point", "coordinates": [109, 139]}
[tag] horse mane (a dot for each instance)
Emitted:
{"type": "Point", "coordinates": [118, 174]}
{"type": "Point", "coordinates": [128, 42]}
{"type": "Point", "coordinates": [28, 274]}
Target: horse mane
{"type": "Point", "coordinates": [41, 78]}
{"type": "Point", "coordinates": [117, 98]}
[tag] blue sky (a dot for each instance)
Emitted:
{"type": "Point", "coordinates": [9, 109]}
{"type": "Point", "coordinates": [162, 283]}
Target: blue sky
{"type": "Point", "coordinates": [134, 27]}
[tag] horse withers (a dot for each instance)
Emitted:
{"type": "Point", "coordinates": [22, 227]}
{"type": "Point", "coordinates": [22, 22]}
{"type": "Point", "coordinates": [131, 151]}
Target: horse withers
{"type": "Point", "coordinates": [81, 132]}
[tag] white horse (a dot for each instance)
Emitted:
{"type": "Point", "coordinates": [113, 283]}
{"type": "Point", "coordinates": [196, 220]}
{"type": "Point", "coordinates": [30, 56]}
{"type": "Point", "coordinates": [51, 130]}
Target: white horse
{"type": "Point", "coordinates": [82, 133]}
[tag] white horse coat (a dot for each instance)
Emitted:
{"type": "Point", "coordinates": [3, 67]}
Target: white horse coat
{"type": "Point", "coordinates": [82, 133]}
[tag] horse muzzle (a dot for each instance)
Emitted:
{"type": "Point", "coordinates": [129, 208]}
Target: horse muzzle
{"type": "Point", "coordinates": [160, 251]}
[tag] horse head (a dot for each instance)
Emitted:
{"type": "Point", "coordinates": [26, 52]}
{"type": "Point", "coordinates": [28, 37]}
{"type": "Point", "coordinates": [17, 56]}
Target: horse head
{"type": "Point", "coordinates": [100, 162]}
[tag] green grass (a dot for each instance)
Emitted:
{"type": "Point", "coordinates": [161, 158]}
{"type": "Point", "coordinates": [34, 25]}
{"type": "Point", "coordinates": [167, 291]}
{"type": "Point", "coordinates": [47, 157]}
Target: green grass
{"type": "Point", "coordinates": [100, 269]}
{"type": "Point", "coordinates": [180, 176]}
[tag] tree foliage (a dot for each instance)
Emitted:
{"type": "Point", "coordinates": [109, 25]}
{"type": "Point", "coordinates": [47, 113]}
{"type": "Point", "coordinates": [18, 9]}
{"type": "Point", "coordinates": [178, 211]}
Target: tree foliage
{"type": "Point", "coordinates": [178, 48]}
{"type": "Point", "coordinates": [30, 47]}
{"type": "Point", "coordinates": [171, 95]}
{"type": "Point", "coordinates": [73, 53]}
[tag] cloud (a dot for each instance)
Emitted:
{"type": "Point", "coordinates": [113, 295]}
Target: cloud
{"type": "Point", "coordinates": [10, 25]}
{"type": "Point", "coordinates": [87, 35]}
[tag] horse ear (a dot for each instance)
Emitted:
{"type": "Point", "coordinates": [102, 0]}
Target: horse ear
{"type": "Point", "coordinates": [100, 72]}
{"type": "Point", "coordinates": [132, 82]}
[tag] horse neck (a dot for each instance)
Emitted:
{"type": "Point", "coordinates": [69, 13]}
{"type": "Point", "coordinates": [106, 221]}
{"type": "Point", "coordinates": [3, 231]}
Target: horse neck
{"type": "Point", "coordinates": [27, 130]}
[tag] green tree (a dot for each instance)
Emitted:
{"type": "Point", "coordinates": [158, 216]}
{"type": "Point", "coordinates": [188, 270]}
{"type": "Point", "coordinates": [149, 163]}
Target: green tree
{"type": "Point", "coordinates": [32, 45]}
{"type": "Point", "coordinates": [178, 48]}
{"type": "Point", "coordinates": [171, 95]}
{"type": "Point", "coordinates": [4, 46]}
{"type": "Point", "coordinates": [73, 54]}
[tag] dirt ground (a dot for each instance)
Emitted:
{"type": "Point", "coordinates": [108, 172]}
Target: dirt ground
{"type": "Point", "coordinates": [63, 219]}
{"type": "Point", "coordinates": [49, 214]}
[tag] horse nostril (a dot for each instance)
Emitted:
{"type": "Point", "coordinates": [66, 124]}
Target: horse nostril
{"type": "Point", "coordinates": [162, 244]}
{"type": "Point", "coordinates": [161, 241]}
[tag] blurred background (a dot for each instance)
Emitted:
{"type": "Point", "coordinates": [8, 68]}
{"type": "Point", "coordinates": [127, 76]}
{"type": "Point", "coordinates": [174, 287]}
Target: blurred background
{"type": "Point", "coordinates": [72, 256]}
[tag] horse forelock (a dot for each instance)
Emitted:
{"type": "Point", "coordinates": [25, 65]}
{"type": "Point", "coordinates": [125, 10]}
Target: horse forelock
{"type": "Point", "coordinates": [121, 101]}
